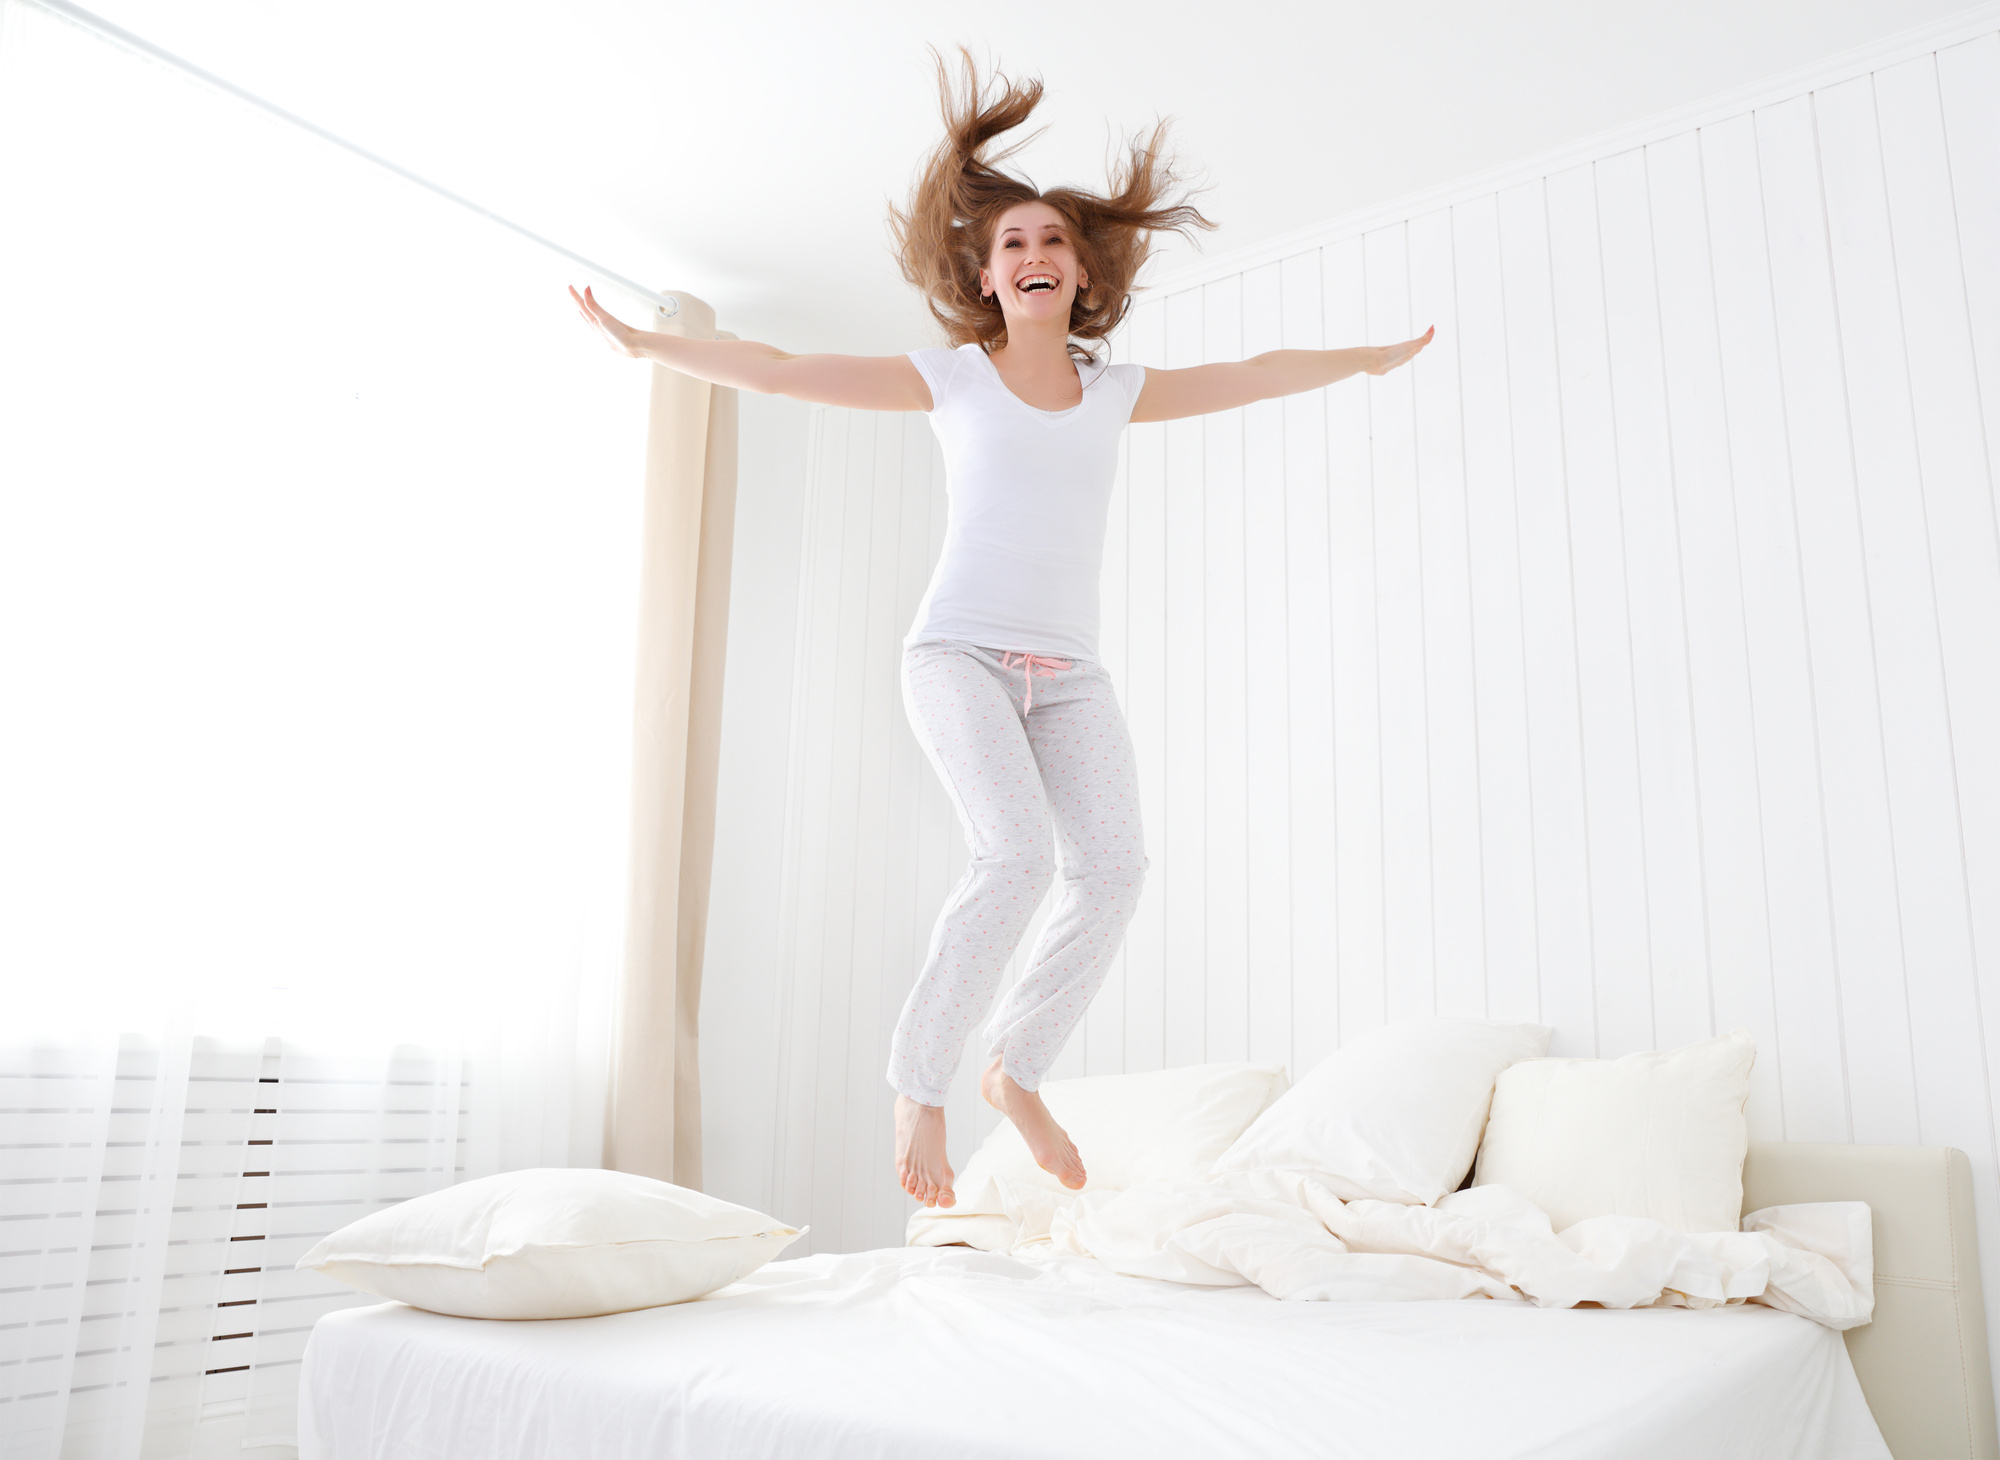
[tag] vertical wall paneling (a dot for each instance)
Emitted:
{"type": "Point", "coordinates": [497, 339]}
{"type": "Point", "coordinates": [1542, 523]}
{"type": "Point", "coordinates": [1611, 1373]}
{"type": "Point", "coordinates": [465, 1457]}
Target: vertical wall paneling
{"type": "Point", "coordinates": [845, 648]}
{"type": "Point", "coordinates": [1269, 889]}
{"type": "Point", "coordinates": [1726, 850]}
{"type": "Point", "coordinates": [1336, 804]}
{"type": "Point", "coordinates": [1451, 708]}
{"type": "Point", "coordinates": [805, 851]}
{"type": "Point", "coordinates": [1181, 832]}
{"type": "Point", "coordinates": [1409, 967]}
{"type": "Point", "coordinates": [1146, 703]}
{"type": "Point", "coordinates": [1317, 888]}
{"type": "Point", "coordinates": [1952, 503]}
{"type": "Point", "coordinates": [820, 845]}
{"type": "Point", "coordinates": [1665, 745]}
{"type": "Point", "coordinates": [1628, 664]}
{"type": "Point", "coordinates": [1103, 1033]}
{"type": "Point", "coordinates": [1614, 825]}
{"type": "Point", "coordinates": [1858, 569]}
{"type": "Point", "coordinates": [1565, 996]}
{"type": "Point", "coordinates": [866, 1109]}
{"type": "Point", "coordinates": [1224, 703]}
{"type": "Point", "coordinates": [1967, 77]}
{"type": "Point", "coordinates": [1503, 815]}
{"type": "Point", "coordinates": [1810, 1053]}
{"type": "Point", "coordinates": [1834, 621]}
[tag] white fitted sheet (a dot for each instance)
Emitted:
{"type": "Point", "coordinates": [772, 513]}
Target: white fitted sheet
{"type": "Point", "coordinates": [922, 1351]}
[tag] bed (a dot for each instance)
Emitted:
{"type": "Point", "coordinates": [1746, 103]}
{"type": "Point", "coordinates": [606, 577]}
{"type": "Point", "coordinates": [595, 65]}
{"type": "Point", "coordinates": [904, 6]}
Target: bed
{"type": "Point", "coordinates": [906, 1351]}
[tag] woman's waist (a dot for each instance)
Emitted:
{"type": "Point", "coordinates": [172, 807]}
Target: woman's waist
{"type": "Point", "coordinates": [1056, 547]}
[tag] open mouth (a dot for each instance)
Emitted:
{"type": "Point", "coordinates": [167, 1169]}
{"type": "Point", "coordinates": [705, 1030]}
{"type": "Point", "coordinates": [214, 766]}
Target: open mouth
{"type": "Point", "coordinates": [1037, 284]}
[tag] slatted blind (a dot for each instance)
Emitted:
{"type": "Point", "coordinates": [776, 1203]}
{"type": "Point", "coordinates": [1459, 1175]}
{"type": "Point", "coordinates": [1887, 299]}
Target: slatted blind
{"type": "Point", "coordinates": [157, 1197]}
{"type": "Point", "coordinates": [319, 704]}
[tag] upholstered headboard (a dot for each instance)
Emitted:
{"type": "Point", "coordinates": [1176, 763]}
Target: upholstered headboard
{"type": "Point", "coordinates": [1922, 1362]}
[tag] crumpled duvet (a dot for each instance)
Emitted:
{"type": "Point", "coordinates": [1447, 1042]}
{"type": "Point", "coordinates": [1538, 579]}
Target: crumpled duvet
{"type": "Point", "coordinates": [1286, 1233]}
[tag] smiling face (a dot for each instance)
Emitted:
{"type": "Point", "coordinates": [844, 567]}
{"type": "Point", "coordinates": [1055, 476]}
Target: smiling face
{"type": "Point", "coordinates": [1033, 267]}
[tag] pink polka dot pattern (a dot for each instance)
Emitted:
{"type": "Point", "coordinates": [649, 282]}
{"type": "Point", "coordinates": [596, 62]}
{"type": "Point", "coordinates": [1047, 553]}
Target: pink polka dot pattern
{"type": "Point", "coordinates": [1062, 772]}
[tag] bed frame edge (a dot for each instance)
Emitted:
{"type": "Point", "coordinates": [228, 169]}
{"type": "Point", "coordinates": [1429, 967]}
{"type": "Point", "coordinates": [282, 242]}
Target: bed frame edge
{"type": "Point", "coordinates": [1922, 1362]}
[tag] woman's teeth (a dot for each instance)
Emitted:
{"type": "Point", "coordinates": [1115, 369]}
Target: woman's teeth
{"type": "Point", "coordinates": [1037, 284]}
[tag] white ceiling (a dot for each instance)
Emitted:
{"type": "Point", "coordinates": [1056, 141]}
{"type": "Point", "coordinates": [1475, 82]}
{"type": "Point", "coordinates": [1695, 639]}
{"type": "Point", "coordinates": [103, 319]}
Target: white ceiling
{"type": "Point", "coordinates": [745, 151]}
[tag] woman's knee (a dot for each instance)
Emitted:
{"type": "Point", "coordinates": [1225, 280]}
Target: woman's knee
{"type": "Point", "coordinates": [1030, 871]}
{"type": "Point", "coordinates": [1115, 874]}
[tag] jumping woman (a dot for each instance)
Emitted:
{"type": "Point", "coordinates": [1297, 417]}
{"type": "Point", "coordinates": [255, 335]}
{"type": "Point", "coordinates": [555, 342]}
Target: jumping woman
{"type": "Point", "coordinates": [1001, 677]}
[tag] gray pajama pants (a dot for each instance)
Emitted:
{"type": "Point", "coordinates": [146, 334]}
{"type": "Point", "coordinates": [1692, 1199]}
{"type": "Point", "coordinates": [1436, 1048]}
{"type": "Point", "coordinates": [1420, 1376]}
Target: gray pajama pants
{"type": "Point", "coordinates": [1032, 749]}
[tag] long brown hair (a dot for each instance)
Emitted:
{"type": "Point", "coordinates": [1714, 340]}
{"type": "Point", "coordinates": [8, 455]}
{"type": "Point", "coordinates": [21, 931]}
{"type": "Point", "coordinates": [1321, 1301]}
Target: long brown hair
{"type": "Point", "coordinates": [944, 237]}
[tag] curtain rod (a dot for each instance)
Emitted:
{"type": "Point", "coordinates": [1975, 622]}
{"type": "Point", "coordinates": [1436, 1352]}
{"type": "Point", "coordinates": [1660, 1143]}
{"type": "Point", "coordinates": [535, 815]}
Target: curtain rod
{"type": "Point", "coordinates": [667, 304]}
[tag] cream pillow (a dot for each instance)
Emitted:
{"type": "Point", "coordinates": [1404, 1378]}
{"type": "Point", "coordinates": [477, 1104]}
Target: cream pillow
{"type": "Point", "coordinates": [1129, 1129]}
{"type": "Point", "coordinates": [1659, 1134]}
{"type": "Point", "coordinates": [551, 1243]}
{"type": "Point", "coordinates": [1393, 1114]}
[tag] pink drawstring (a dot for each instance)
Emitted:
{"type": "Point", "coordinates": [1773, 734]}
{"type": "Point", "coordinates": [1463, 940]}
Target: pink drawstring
{"type": "Point", "coordinates": [1031, 665]}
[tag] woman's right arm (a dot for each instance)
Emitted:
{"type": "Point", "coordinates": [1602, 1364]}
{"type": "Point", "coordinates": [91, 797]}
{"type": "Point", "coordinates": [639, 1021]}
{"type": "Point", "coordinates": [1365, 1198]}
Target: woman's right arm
{"type": "Point", "coordinates": [863, 382]}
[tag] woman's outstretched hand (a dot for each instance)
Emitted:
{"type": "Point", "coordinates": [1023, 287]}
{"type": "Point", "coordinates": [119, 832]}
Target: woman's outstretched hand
{"type": "Point", "coordinates": [619, 335]}
{"type": "Point", "coordinates": [1388, 357]}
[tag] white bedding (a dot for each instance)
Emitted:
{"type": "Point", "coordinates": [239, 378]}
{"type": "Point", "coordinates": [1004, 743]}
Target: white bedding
{"type": "Point", "coordinates": [927, 1351]}
{"type": "Point", "coordinates": [1287, 1233]}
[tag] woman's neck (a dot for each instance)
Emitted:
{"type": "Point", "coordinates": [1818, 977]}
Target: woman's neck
{"type": "Point", "coordinates": [1036, 348]}
{"type": "Point", "coordinates": [1040, 373]}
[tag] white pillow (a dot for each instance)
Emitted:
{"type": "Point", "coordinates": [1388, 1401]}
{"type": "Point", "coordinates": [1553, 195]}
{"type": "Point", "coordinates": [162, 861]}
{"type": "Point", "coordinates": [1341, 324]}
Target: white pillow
{"type": "Point", "coordinates": [1659, 1134]}
{"type": "Point", "coordinates": [551, 1243]}
{"type": "Point", "coordinates": [1129, 1129]}
{"type": "Point", "coordinates": [1393, 1114]}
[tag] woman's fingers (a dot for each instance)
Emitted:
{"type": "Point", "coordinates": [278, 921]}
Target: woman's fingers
{"type": "Point", "coordinates": [1395, 355]}
{"type": "Point", "coordinates": [606, 323]}
{"type": "Point", "coordinates": [596, 312]}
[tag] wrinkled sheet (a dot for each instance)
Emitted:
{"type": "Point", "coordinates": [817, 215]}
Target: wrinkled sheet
{"type": "Point", "coordinates": [1292, 1237]}
{"type": "Point", "coordinates": [903, 1353]}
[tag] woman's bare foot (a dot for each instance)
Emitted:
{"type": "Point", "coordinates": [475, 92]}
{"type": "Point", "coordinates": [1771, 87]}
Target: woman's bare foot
{"type": "Point", "coordinates": [920, 1162]}
{"type": "Point", "coordinates": [1047, 1142]}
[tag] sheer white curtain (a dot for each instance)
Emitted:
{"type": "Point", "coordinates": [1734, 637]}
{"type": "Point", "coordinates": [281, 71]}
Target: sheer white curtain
{"type": "Point", "coordinates": [319, 538]}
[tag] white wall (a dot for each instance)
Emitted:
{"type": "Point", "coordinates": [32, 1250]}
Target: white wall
{"type": "Point", "coordinates": [1631, 664]}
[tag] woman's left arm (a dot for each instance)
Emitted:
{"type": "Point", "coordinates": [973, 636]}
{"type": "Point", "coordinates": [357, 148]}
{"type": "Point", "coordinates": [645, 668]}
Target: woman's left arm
{"type": "Point", "coordinates": [1170, 394]}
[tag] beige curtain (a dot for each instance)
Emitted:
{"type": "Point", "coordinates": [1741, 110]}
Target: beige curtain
{"type": "Point", "coordinates": [655, 1109]}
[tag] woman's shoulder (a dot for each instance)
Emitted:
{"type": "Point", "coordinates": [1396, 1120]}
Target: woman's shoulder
{"type": "Point", "coordinates": [1130, 379]}
{"type": "Point", "coordinates": [938, 364]}
{"type": "Point", "coordinates": [946, 354]}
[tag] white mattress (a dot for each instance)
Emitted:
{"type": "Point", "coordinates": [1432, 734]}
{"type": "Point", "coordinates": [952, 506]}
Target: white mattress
{"type": "Point", "coordinates": [925, 1351]}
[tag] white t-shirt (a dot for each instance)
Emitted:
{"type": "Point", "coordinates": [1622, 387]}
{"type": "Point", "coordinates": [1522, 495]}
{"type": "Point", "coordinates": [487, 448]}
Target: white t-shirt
{"type": "Point", "coordinates": [1029, 492]}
